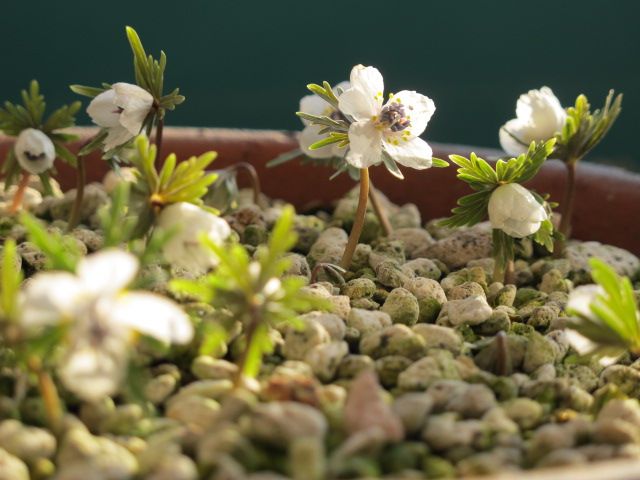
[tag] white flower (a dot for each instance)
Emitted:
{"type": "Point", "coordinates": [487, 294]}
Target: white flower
{"type": "Point", "coordinates": [184, 248]}
{"type": "Point", "coordinates": [103, 316]}
{"type": "Point", "coordinates": [539, 116]}
{"type": "Point", "coordinates": [579, 304]}
{"type": "Point", "coordinates": [121, 110]}
{"type": "Point", "coordinates": [393, 127]}
{"type": "Point", "coordinates": [515, 211]}
{"type": "Point", "coordinates": [34, 150]}
{"type": "Point", "coordinates": [315, 105]}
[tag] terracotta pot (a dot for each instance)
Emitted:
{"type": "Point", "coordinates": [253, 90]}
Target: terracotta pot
{"type": "Point", "coordinates": [607, 199]}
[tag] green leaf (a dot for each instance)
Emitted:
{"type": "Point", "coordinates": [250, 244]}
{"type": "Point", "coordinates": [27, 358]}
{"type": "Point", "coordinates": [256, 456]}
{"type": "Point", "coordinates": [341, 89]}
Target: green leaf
{"type": "Point", "coordinates": [61, 253]}
{"type": "Point", "coordinates": [85, 91]}
{"type": "Point", "coordinates": [475, 171]}
{"type": "Point", "coordinates": [285, 157]}
{"type": "Point", "coordinates": [471, 209]}
{"type": "Point", "coordinates": [439, 163]}
{"type": "Point", "coordinates": [614, 319]}
{"type": "Point", "coordinates": [391, 165]}
{"type": "Point", "coordinates": [10, 279]}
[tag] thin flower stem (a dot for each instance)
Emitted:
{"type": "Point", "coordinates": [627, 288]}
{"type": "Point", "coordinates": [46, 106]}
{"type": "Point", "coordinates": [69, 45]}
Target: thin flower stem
{"type": "Point", "coordinates": [253, 174]}
{"type": "Point", "coordinates": [379, 211]}
{"type": "Point", "coordinates": [567, 208]}
{"type": "Point", "coordinates": [16, 203]}
{"type": "Point", "coordinates": [503, 355]}
{"type": "Point", "coordinates": [249, 334]}
{"type": "Point", "coordinates": [358, 223]}
{"type": "Point", "coordinates": [81, 179]}
{"type": "Point", "coordinates": [159, 131]}
{"type": "Point", "coordinates": [50, 397]}
{"type": "Point", "coordinates": [510, 273]}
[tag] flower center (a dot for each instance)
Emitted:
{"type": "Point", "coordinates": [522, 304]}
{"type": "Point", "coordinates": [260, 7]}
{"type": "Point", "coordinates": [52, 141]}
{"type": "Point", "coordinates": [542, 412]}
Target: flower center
{"type": "Point", "coordinates": [34, 157]}
{"type": "Point", "coordinates": [337, 115]}
{"type": "Point", "coordinates": [393, 116]}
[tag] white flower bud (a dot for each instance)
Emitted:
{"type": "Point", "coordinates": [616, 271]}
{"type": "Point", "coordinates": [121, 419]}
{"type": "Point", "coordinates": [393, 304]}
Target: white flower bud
{"type": "Point", "coordinates": [34, 150]}
{"type": "Point", "coordinates": [515, 211]}
{"type": "Point", "coordinates": [184, 248]}
{"type": "Point", "coordinates": [539, 116]}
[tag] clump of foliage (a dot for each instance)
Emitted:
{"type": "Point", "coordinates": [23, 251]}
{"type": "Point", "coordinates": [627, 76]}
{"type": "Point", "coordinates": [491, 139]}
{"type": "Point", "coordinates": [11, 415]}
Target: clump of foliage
{"type": "Point", "coordinates": [254, 291]}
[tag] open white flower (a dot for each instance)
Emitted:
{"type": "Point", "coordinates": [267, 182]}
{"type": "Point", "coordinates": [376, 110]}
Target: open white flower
{"type": "Point", "coordinates": [315, 105]}
{"type": "Point", "coordinates": [515, 211]}
{"type": "Point", "coordinates": [188, 222]}
{"type": "Point", "coordinates": [121, 110]}
{"type": "Point", "coordinates": [103, 317]}
{"type": "Point", "coordinates": [392, 128]}
{"type": "Point", "coordinates": [34, 151]}
{"type": "Point", "coordinates": [539, 116]}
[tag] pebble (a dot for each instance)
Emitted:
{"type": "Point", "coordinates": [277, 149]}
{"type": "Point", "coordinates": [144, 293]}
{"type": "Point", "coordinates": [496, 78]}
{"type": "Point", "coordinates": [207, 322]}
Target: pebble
{"type": "Point", "coordinates": [437, 336]}
{"type": "Point", "coordinates": [366, 408]}
{"type": "Point", "coordinates": [422, 267]}
{"type": "Point", "coordinates": [329, 247]}
{"type": "Point", "coordinates": [396, 339]}
{"type": "Point", "coordinates": [414, 240]}
{"type": "Point", "coordinates": [280, 423]}
{"type": "Point", "coordinates": [402, 306]}
{"type": "Point", "coordinates": [468, 311]}
{"type": "Point", "coordinates": [367, 321]}
{"type": "Point", "coordinates": [461, 246]}
{"type": "Point", "coordinates": [623, 262]}
{"type": "Point", "coordinates": [420, 374]}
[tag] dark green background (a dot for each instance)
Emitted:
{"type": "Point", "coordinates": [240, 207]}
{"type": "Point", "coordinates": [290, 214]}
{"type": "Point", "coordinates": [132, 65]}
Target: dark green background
{"type": "Point", "coordinates": [245, 63]}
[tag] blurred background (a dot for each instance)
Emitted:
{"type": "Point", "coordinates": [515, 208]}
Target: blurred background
{"type": "Point", "coordinates": [245, 63]}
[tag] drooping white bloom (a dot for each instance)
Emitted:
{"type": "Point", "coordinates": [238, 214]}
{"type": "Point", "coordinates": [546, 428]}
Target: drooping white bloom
{"type": "Point", "coordinates": [34, 151]}
{"type": "Point", "coordinates": [121, 110]}
{"type": "Point", "coordinates": [188, 222]}
{"type": "Point", "coordinates": [393, 127]}
{"type": "Point", "coordinates": [515, 211]}
{"type": "Point", "coordinates": [579, 304]}
{"type": "Point", "coordinates": [102, 316]}
{"type": "Point", "coordinates": [539, 116]}
{"type": "Point", "coordinates": [315, 105]}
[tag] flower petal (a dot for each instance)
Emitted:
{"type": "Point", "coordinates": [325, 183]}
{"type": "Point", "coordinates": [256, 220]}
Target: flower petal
{"type": "Point", "coordinates": [542, 109]}
{"type": "Point", "coordinates": [513, 209]}
{"type": "Point", "coordinates": [513, 137]}
{"type": "Point", "coordinates": [365, 145]}
{"type": "Point", "coordinates": [108, 271]}
{"type": "Point", "coordinates": [116, 136]}
{"type": "Point", "coordinates": [51, 297]}
{"type": "Point", "coordinates": [103, 110]}
{"type": "Point", "coordinates": [314, 105]}
{"type": "Point", "coordinates": [369, 81]}
{"type": "Point", "coordinates": [93, 372]}
{"type": "Point", "coordinates": [135, 103]}
{"type": "Point", "coordinates": [152, 315]}
{"type": "Point", "coordinates": [418, 108]}
{"type": "Point", "coordinates": [414, 153]}
{"type": "Point", "coordinates": [184, 249]}
{"type": "Point", "coordinates": [581, 298]}
{"type": "Point", "coordinates": [308, 137]}
{"type": "Point", "coordinates": [358, 105]}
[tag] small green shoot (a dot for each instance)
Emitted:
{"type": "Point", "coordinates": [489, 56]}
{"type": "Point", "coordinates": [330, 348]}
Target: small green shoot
{"type": "Point", "coordinates": [254, 291]}
{"type": "Point", "coordinates": [612, 322]}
